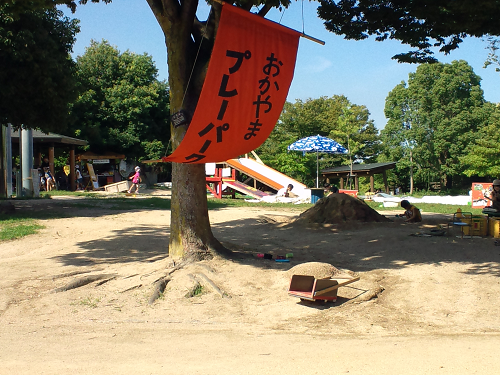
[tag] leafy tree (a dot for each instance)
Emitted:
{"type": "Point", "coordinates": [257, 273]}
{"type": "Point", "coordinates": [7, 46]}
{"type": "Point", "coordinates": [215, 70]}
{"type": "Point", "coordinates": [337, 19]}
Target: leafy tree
{"type": "Point", "coordinates": [481, 156]}
{"type": "Point", "coordinates": [37, 71]}
{"type": "Point", "coordinates": [422, 24]}
{"type": "Point", "coordinates": [191, 234]}
{"type": "Point", "coordinates": [435, 116]}
{"type": "Point", "coordinates": [323, 116]}
{"type": "Point", "coordinates": [122, 106]}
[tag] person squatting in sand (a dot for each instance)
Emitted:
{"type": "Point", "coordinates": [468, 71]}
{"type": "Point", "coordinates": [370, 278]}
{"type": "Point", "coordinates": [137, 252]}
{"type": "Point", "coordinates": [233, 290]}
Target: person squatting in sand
{"type": "Point", "coordinates": [412, 213]}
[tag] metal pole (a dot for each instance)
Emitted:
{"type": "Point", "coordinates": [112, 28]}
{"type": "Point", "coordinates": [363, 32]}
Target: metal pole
{"type": "Point", "coordinates": [8, 156]}
{"type": "Point", "coordinates": [26, 143]}
{"type": "Point", "coordinates": [317, 170]}
{"type": "Point", "coordinates": [3, 162]}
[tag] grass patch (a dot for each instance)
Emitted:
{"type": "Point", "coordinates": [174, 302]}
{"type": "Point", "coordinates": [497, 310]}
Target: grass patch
{"type": "Point", "coordinates": [428, 207]}
{"type": "Point", "coordinates": [58, 193]}
{"type": "Point", "coordinates": [11, 229]}
{"type": "Point", "coordinates": [226, 202]}
{"type": "Point", "coordinates": [196, 291]}
{"type": "Point", "coordinates": [88, 302]}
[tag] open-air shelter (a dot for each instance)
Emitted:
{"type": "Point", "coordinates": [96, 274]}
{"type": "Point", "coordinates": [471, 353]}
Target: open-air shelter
{"type": "Point", "coordinates": [359, 170]}
{"type": "Point", "coordinates": [45, 143]}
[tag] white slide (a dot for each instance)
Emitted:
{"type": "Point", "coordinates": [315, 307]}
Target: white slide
{"type": "Point", "coordinates": [298, 188]}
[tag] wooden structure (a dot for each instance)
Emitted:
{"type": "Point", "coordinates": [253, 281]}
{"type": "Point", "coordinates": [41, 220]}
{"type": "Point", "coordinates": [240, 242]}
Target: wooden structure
{"type": "Point", "coordinates": [309, 288]}
{"type": "Point", "coordinates": [48, 141]}
{"type": "Point", "coordinates": [359, 170]}
{"type": "Point", "coordinates": [103, 168]}
{"type": "Point", "coordinates": [227, 176]}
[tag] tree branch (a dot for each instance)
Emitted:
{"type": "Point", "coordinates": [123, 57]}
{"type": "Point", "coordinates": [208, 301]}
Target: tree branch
{"type": "Point", "coordinates": [264, 10]}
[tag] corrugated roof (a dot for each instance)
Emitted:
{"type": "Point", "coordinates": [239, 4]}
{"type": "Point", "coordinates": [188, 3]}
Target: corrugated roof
{"type": "Point", "coordinates": [41, 137]}
{"type": "Point", "coordinates": [360, 167]}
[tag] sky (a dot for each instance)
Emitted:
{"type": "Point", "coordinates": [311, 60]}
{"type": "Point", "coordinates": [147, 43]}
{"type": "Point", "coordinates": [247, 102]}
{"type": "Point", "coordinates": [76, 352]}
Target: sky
{"type": "Point", "coordinates": [363, 71]}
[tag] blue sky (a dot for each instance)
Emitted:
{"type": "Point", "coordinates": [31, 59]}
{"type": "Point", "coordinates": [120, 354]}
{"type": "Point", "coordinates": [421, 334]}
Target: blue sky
{"type": "Point", "coordinates": [361, 70]}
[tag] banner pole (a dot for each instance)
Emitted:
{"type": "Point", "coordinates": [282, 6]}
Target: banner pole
{"type": "Point", "coordinates": [312, 39]}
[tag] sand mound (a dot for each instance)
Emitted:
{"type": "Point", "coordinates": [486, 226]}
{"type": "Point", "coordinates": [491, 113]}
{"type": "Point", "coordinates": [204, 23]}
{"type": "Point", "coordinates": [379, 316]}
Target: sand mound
{"type": "Point", "coordinates": [317, 269]}
{"type": "Point", "coordinates": [339, 209]}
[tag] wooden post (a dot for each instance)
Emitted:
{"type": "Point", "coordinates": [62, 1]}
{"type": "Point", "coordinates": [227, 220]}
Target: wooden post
{"type": "Point", "coordinates": [342, 182]}
{"type": "Point", "coordinates": [51, 160]}
{"type": "Point", "coordinates": [384, 174]}
{"type": "Point", "coordinates": [372, 184]}
{"type": "Point", "coordinates": [72, 165]}
{"type": "Point", "coordinates": [356, 183]}
{"type": "Point", "coordinates": [38, 160]}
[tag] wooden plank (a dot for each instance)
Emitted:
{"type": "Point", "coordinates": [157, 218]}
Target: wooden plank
{"type": "Point", "coordinates": [93, 177]}
{"type": "Point", "coordinates": [341, 282]}
{"type": "Point", "coordinates": [245, 189]}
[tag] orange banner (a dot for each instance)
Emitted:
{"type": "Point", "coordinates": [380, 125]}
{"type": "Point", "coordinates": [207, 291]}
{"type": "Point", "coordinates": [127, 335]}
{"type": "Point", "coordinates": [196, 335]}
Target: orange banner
{"type": "Point", "coordinates": [247, 83]}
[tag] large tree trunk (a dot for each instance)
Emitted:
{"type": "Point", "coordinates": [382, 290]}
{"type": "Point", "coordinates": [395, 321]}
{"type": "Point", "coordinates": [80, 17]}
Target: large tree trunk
{"type": "Point", "coordinates": [190, 232]}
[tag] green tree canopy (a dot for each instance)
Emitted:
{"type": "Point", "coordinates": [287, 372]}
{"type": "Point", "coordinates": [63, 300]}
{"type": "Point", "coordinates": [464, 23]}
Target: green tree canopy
{"type": "Point", "coordinates": [122, 106]}
{"type": "Point", "coordinates": [422, 24]}
{"type": "Point", "coordinates": [190, 231]}
{"type": "Point", "coordinates": [481, 155]}
{"type": "Point", "coordinates": [323, 116]}
{"type": "Point", "coordinates": [36, 75]}
{"type": "Point", "coordinates": [436, 115]}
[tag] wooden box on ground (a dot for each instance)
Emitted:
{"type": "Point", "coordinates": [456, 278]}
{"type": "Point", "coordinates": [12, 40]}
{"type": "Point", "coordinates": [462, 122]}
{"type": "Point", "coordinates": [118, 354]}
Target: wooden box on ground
{"type": "Point", "coordinates": [118, 187]}
{"type": "Point", "coordinates": [311, 289]}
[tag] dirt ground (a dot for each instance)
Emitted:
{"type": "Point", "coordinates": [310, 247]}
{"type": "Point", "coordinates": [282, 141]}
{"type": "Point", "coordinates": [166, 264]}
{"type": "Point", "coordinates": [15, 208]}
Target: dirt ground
{"type": "Point", "coordinates": [423, 305]}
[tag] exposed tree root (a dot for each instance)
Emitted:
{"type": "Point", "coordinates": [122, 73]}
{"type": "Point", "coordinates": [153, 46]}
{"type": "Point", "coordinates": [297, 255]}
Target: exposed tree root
{"type": "Point", "coordinates": [82, 281]}
{"type": "Point", "coordinates": [161, 283]}
{"type": "Point", "coordinates": [212, 284]}
{"type": "Point", "coordinates": [196, 286]}
{"type": "Point", "coordinates": [104, 281]}
{"type": "Point", "coordinates": [370, 294]}
{"type": "Point", "coordinates": [159, 288]}
{"type": "Point", "coordinates": [68, 274]}
{"type": "Point", "coordinates": [131, 288]}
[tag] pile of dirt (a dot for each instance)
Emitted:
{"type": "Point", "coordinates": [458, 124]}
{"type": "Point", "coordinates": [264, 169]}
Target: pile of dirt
{"type": "Point", "coordinates": [340, 209]}
{"type": "Point", "coordinates": [317, 269]}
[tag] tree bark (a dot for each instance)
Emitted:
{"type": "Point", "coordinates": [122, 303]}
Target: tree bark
{"type": "Point", "coordinates": [190, 232]}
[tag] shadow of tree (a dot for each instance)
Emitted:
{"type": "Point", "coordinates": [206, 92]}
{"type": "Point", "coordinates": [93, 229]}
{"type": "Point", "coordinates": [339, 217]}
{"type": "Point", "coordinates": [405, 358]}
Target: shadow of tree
{"type": "Point", "coordinates": [139, 243]}
{"type": "Point", "coordinates": [364, 247]}
{"type": "Point", "coordinates": [361, 247]}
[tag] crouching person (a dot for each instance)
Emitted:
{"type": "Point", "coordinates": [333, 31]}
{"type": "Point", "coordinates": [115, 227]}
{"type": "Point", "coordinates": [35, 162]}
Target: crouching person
{"type": "Point", "coordinates": [412, 213]}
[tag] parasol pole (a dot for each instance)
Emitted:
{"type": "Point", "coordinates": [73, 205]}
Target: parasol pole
{"type": "Point", "coordinates": [317, 170]}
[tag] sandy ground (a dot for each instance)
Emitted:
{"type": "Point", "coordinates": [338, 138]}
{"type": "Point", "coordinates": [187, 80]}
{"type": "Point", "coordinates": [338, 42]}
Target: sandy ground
{"type": "Point", "coordinates": [423, 305]}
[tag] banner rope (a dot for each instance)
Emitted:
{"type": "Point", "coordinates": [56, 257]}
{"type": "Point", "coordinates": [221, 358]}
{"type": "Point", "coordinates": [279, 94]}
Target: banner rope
{"type": "Point", "coordinates": [196, 58]}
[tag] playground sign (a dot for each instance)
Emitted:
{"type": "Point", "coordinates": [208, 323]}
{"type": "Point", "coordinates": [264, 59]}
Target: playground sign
{"type": "Point", "coordinates": [480, 190]}
{"type": "Point", "coordinates": [247, 83]}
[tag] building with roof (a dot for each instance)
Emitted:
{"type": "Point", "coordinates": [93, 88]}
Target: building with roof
{"type": "Point", "coordinates": [359, 170]}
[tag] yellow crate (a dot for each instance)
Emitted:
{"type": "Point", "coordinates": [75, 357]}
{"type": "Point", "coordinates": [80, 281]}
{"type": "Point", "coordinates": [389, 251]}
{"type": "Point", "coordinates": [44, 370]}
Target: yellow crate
{"type": "Point", "coordinates": [479, 226]}
{"type": "Point", "coordinates": [494, 227]}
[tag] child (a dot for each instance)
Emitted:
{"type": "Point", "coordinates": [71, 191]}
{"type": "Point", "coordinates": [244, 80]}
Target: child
{"type": "Point", "coordinates": [51, 184]}
{"type": "Point", "coordinates": [79, 178]}
{"type": "Point", "coordinates": [136, 179]}
{"type": "Point", "coordinates": [287, 192]}
{"type": "Point", "coordinates": [412, 213]}
{"type": "Point", "coordinates": [495, 195]}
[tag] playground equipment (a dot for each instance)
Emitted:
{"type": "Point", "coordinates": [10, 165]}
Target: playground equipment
{"type": "Point", "coordinates": [221, 178]}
